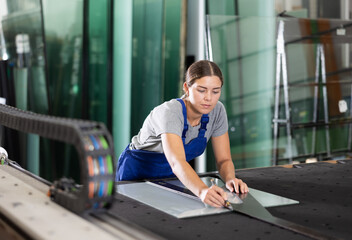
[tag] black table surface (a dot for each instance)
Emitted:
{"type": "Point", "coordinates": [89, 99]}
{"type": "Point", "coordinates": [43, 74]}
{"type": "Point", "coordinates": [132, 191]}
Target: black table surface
{"type": "Point", "coordinates": [324, 190]}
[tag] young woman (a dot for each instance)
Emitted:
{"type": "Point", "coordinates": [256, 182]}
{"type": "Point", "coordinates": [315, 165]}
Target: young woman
{"type": "Point", "coordinates": [177, 131]}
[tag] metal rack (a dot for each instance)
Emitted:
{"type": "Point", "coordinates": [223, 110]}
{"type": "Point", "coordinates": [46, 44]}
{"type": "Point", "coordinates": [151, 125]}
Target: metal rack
{"type": "Point", "coordinates": [320, 81]}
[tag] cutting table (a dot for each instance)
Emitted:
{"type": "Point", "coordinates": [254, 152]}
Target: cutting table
{"type": "Point", "coordinates": [323, 190]}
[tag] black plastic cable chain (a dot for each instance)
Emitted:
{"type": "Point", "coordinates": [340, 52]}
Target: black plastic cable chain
{"type": "Point", "coordinates": [72, 131]}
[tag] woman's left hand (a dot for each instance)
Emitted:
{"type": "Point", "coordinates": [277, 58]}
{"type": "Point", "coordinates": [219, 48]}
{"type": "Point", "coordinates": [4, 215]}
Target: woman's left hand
{"type": "Point", "coordinates": [237, 185]}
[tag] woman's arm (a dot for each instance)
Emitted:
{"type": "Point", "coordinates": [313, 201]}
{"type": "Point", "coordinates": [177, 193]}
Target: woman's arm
{"type": "Point", "coordinates": [175, 154]}
{"type": "Point", "coordinates": [221, 148]}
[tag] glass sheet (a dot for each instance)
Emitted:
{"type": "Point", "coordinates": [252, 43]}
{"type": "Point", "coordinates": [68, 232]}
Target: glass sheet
{"type": "Point", "coordinates": [170, 202]}
{"type": "Point", "coordinates": [245, 48]}
{"type": "Point", "coordinates": [63, 35]}
{"type": "Point", "coordinates": [302, 103]}
{"type": "Point", "coordinates": [64, 44]}
{"type": "Point", "coordinates": [21, 40]}
{"type": "Point", "coordinates": [170, 197]}
{"type": "Point", "coordinates": [264, 198]}
{"type": "Point", "coordinates": [146, 59]}
{"type": "Point", "coordinates": [98, 79]}
{"type": "Point", "coordinates": [22, 46]}
{"type": "Point", "coordinates": [310, 31]}
{"type": "Point", "coordinates": [225, 7]}
{"type": "Point", "coordinates": [174, 48]}
{"type": "Point", "coordinates": [158, 50]}
{"type": "Point", "coordinates": [303, 145]}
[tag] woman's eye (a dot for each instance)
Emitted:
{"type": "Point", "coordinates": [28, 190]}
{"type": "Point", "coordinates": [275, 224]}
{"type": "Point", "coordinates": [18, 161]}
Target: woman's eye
{"type": "Point", "coordinates": [216, 92]}
{"type": "Point", "coordinates": [201, 91]}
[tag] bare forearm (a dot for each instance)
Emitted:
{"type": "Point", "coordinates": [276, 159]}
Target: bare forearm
{"type": "Point", "coordinates": [175, 155]}
{"type": "Point", "coordinates": [213, 196]}
{"type": "Point", "coordinates": [189, 178]}
{"type": "Point", "coordinates": [226, 170]}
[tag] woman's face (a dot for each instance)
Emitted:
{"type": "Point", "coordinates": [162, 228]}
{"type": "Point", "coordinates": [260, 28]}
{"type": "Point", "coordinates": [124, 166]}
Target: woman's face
{"type": "Point", "coordinates": [204, 94]}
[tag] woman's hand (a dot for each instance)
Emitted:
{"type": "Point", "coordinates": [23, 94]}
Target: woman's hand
{"type": "Point", "coordinates": [237, 185]}
{"type": "Point", "coordinates": [213, 196]}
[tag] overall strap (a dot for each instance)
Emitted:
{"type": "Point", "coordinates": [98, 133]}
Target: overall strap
{"type": "Point", "coordinates": [185, 125]}
{"type": "Point", "coordinates": [203, 127]}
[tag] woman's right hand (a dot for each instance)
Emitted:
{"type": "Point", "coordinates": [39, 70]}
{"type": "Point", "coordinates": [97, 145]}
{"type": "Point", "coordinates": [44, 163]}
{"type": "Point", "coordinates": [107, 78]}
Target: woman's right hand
{"type": "Point", "coordinates": [213, 196]}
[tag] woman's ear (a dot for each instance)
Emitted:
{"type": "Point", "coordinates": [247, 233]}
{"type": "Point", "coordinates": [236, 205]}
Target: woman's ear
{"type": "Point", "coordinates": [185, 88]}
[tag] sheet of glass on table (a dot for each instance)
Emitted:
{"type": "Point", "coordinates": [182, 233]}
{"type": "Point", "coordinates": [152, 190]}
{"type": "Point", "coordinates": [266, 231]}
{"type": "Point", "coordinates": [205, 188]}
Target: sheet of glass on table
{"type": "Point", "coordinates": [172, 197]}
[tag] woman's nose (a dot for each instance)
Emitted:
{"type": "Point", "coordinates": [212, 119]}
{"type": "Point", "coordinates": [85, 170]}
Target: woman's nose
{"type": "Point", "coordinates": [208, 96]}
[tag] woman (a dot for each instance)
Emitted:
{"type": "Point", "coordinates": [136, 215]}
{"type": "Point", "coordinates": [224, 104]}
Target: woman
{"type": "Point", "coordinates": [177, 131]}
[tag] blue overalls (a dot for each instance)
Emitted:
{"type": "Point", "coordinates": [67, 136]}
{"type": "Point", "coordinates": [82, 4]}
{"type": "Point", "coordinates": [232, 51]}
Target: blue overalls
{"type": "Point", "coordinates": [136, 164]}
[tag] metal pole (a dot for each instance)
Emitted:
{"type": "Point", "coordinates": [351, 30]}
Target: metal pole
{"type": "Point", "coordinates": [279, 49]}
{"type": "Point", "coordinates": [287, 107]}
{"type": "Point", "coordinates": [325, 98]}
{"type": "Point", "coordinates": [316, 97]}
{"type": "Point", "coordinates": [209, 48]}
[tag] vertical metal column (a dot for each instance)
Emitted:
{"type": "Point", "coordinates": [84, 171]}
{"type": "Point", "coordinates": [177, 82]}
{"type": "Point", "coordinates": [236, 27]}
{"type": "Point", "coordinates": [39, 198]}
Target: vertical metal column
{"type": "Point", "coordinates": [320, 71]}
{"type": "Point", "coordinates": [208, 45]}
{"type": "Point", "coordinates": [196, 13]}
{"type": "Point", "coordinates": [281, 65]}
{"type": "Point", "coordinates": [325, 98]}
{"type": "Point", "coordinates": [316, 97]}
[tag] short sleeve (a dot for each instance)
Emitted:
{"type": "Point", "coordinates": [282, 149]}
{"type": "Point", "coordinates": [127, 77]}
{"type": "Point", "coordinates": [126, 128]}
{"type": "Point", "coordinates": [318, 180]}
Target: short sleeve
{"type": "Point", "coordinates": [167, 118]}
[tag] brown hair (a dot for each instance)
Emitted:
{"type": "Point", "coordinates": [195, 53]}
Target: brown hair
{"type": "Point", "coordinates": [201, 69]}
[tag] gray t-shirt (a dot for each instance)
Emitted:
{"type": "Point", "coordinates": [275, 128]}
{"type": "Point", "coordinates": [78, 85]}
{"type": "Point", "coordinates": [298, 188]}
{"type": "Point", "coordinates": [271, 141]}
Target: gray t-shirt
{"type": "Point", "coordinates": [168, 118]}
